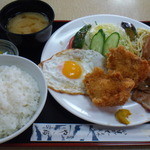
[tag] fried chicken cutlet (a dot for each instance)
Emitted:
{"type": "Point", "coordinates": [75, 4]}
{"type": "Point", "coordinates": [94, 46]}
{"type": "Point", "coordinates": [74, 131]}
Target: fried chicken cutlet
{"type": "Point", "coordinates": [128, 64]}
{"type": "Point", "coordinates": [107, 89]}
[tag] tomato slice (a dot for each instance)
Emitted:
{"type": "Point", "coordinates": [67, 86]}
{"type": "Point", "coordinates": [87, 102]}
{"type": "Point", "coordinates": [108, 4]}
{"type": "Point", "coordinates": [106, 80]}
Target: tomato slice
{"type": "Point", "coordinates": [70, 43]}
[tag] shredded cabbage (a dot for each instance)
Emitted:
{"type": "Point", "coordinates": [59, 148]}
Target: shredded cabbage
{"type": "Point", "coordinates": [133, 46]}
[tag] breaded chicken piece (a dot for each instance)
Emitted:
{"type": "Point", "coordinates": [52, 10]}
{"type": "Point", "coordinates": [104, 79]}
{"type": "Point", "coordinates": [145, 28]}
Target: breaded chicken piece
{"type": "Point", "coordinates": [128, 64]}
{"type": "Point", "coordinates": [107, 89]}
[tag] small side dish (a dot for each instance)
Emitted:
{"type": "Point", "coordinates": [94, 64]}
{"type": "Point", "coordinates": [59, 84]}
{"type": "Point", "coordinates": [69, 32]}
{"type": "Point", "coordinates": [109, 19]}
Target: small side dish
{"type": "Point", "coordinates": [7, 47]}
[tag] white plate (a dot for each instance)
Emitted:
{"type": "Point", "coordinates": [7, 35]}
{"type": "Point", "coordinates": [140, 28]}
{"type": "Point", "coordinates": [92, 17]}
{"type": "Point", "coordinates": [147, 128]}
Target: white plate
{"type": "Point", "coordinates": [79, 105]}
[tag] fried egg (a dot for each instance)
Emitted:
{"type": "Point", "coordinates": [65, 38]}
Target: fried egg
{"type": "Point", "coordinates": [65, 71]}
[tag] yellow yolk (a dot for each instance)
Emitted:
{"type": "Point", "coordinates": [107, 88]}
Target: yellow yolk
{"type": "Point", "coordinates": [72, 70]}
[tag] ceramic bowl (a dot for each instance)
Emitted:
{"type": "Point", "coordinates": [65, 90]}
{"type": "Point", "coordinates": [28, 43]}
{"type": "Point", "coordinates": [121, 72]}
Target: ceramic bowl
{"type": "Point", "coordinates": [32, 69]}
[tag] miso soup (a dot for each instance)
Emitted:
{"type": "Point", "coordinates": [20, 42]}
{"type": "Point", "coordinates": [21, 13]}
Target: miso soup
{"type": "Point", "coordinates": [27, 23]}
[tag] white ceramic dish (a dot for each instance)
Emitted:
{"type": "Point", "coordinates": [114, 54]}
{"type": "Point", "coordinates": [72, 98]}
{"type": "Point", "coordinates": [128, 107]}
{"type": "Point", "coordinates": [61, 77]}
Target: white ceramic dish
{"type": "Point", "coordinates": [36, 73]}
{"type": "Point", "coordinates": [81, 106]}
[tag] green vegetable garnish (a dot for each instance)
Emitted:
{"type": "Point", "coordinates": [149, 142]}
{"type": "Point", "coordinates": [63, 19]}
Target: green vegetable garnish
{"type": "Point", "coordinates": [111, 42]}
{"type": "Point", "coordinates": [79, 37]}
{"type": "Point", "coordinates": [97, 42]}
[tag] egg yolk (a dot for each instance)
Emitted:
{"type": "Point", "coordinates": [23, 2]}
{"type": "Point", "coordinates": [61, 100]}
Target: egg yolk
{"type": "Point", "coordinates": [72, 70]}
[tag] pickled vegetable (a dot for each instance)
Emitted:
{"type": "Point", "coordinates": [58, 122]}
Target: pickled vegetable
{"type": "Point", "coordinates": [122, 115]}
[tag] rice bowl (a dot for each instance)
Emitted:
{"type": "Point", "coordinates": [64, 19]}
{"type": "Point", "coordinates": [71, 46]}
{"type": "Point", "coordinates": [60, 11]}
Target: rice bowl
{"type": "Point", "coordinates": [22, 97]}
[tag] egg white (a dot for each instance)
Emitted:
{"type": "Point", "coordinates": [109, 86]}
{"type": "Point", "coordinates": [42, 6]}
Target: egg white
{"type": "Point", "coordinates": [52, 69]}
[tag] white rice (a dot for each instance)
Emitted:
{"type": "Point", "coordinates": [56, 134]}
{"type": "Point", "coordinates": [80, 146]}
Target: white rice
{"type": "Point", "coordinates": [19, 98]}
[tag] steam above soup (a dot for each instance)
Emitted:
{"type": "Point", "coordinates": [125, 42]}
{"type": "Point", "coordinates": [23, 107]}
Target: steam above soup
{"type": "Point", "coordinates": [27, 23]}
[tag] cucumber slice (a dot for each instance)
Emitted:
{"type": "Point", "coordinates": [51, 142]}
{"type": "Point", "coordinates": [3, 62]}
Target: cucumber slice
{"type": "Point", "coordinates": [111, 42]}
{"type": "Point", "coordinates": [97, 42]}
{"type": "Point", "coordinates": [79, 37]}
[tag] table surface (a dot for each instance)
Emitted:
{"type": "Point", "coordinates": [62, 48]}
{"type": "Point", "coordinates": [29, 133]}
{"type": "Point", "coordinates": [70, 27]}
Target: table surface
{"type": "Point", "coordinates": [72, 9]}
